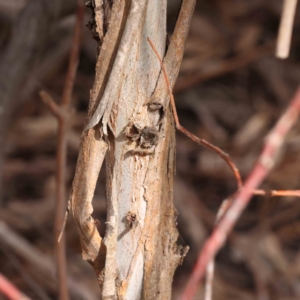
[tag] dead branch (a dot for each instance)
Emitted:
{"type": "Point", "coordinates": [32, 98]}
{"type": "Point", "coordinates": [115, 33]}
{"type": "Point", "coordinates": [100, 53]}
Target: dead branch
{"type": "Point", "coordinates": [139, 158]}
{"type": "Point", "coordinates": [93, 149]}
{"type": "Point", "coordinates": [242, 197]}
{"type": "Point", "coordinates": [62, 113]}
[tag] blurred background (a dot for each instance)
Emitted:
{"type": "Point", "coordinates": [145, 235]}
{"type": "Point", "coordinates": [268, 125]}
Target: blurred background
{"type": "Point", "coordinates": [230, 91]}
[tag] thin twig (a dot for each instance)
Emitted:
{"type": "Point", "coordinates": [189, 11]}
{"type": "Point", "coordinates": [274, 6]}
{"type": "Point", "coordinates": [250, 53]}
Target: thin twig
{"type": "Point", "coordinates": [197, 140]}
{"type": "Point", "coordinates": [274, 193]}
{"type": "Point", "coordinates": [62, 113]}
{"type": "Point", "coordinates": [8, 289]}
{"type": "Point", "coordinates": [209, 279]}
{"type": "Point", "coordinates": [242, 197]}
{"type": "Point", "coordinates": [54, 107]}
{"type": "Point", "coordinates": [209, 273]}
{"type": "Point", "coordinates": [286, 28]}
{"type": "Point", "coordinates": [216, 149]}
{"type": "Point", "coordinates": [222, 154]}
{"type": "Point", "coordinates": [74, 56]}
{"type": "Point", "coordinates": [227, 202]}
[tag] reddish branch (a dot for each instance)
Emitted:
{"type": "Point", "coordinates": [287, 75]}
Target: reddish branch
{"type": "Point", "coordinates": [209, 275]}
{"type": "Point", "coordinates": [62, 113]}
{"type": "Point", "coordinates": [197, 140]}
{"type": "Point", "coordinates": [293, 193]}
{"type": "Point", "coordinates": [10, 290]}
{"type": "Point", "coordinates": [242, 197]}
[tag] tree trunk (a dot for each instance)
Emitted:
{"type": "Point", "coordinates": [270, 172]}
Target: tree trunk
{"type": "Point", "coordinates": [130, 122]}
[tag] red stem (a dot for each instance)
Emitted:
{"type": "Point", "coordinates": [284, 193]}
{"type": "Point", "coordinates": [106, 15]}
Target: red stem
{"type": "Point", "coordinates": [243, 196]}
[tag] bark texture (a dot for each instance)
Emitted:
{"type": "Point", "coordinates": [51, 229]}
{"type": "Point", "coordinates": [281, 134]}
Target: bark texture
{"type": "Point", "coordinates": [131, 123]}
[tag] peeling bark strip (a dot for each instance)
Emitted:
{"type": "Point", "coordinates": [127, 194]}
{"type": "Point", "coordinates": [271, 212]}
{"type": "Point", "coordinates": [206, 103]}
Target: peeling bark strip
{"type": "Point", "coordinates": [129, 121]}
